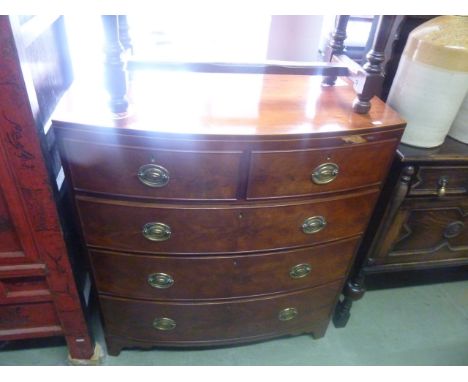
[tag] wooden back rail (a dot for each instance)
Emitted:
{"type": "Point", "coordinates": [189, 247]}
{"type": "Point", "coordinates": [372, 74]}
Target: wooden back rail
{"type": "Point", "coordinates": [367, 79]}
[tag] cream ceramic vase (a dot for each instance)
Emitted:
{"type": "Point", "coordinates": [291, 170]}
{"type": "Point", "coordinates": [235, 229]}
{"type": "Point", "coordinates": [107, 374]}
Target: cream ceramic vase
{"type": "Point", "coordinates": [432, 80]}
{"type": "Point", "coordinates": [459, 129]}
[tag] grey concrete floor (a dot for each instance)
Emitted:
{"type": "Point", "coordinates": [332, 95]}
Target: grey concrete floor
{"type": "Point", "coordinates": [417, 325]}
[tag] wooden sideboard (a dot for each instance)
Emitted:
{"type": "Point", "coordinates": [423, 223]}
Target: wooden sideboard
{"type": "Point", "coordinates": [223, 208]}
{"type": "Point", "coordinates": [38, 293]}
{"type": "Point", "coordinates": [420, 221]}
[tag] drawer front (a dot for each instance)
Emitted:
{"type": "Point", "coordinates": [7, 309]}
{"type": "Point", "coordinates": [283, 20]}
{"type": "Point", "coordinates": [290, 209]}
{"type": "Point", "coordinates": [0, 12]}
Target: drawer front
{"type": "Point", "coordinates": [197, 229]}
{"type": "Point", "coordinates": [153, 173]}
{"type": "Point", "coordinates": [23, 289]}
{"type": "Point", "coordinates": [214, 321]}
{"type": "Point", "coordinates": [305, 172]}
{"type": "Point", "coordinates": [440, 181]}
{"type": "Point", "coordinates": [158, 277]}
{"type": "Point", "coordinates": [28, 320]}
{"type": "Point", "coordinates": [427, 230]}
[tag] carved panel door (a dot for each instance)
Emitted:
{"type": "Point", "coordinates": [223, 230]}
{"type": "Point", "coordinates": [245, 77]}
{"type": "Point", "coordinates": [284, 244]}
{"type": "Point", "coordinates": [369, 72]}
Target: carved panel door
{"type": "Point", "coordinates": [426, 230]}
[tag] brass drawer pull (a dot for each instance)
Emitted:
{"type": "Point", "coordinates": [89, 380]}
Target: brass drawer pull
{"type": "Point", "coordinates": [442, 186]}
{"type": "Point", "coordinates": [164, 323]}
{"type": "Point", "coordinates": [287, 314]}
{"type": "Point", "coordinates": [325, 173]}
{"type": "Point", "coordinates": [156, 231]}
{"type": "Point", "coordinates": [299, 271]}
{"type": "Point", "coordinates": [153, 175]}
{"type": "Point", "coordinates": [313, 224]}
{"type": "Point", "coordinates": [453, 229]}
{"type": "Point", "coordinates": [160, 280]}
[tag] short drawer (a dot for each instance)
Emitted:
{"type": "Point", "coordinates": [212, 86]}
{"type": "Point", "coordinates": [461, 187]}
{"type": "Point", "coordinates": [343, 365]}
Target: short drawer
{"type": "Point", "coordinates": [440, 180]}
{"type": "Point", "coordinates": [28, 320]}
{"type": "Point", "coordinates": [159, 228]}
{"type": "Point", "coordinates": [153, 173]}
{"type": "Point", "coordinates": [217, 321]}
{"type": "Point", "coordinates": [220, 277]}
{"type": "Point", "coordinates": [315, 171]}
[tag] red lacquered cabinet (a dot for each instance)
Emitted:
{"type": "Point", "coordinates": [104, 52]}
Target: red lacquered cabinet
{"type": "Point", "coordinates": [38, 294]}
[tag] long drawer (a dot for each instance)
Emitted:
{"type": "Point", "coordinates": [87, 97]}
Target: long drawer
{"type": "Point", "coordinates": [219, 277]}
{"type": "Point", "coordinates": [314, 171]}
{"type": "Point", "coordinates": [217, 321]}
{"type": "Point", "coordinates": [160, 228]}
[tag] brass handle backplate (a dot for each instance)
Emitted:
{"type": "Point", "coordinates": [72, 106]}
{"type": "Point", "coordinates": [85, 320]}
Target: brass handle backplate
{"type": "Point", "coordinates": [164, 323]}
{"type": "Point", "coordinates": [153, 175]}
{"type": "Point", "coordinates": [453, 229]}
{"type": "Point", "coordinates": [313, 224]}
{"type": "Point", "coordinates": [442, 186]}
{"type": "Point", "coordinates": [157, 231]}
{"type": "Point", "coordinates": [287, 314]}
{"type": "Point", "coordinates": [160, 280]}
{"type": "Point", "coordinates": [325, 173]}
{"type": "Point", "coordinates": [299, 271]}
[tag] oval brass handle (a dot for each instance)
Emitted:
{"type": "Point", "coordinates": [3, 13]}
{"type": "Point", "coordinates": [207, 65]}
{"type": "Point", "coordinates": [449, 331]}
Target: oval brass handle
{"type": "Point", "coordinates": [299, 271]}
{"type": "Point", "coordinates": [325, 173]}
{"type": "Point", "coordinates": [156, 231]}
{"type": "Point", "coordinates": [164, 323]}
{"type": "Point", "coordinates": [453, 229]}
{"type": "Point", "coordinates": [442, 183]}
{"type": "Point", "coordinates": [313, 224]}
{"type": "Point", "coordinates": [153, 175]}
{"type": "Point", "coordinates": [287, 314]}
{"type": "Point", "coordinates": [160, 280]}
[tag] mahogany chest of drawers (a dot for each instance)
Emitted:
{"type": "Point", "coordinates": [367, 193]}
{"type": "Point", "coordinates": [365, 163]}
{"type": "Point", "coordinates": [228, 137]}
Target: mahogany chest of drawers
{"type": "Point", "coordinates": [225, 208]}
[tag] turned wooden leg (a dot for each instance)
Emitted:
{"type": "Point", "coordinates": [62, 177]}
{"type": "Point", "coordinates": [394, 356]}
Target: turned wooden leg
{"type": "Point", "coordinates": [370, 83]}
{"type": "Point", "coordinates": [336, 45]}
{"type": "Point", "coordinates": [115, 73]}
{"type": "Point", "coordinates": [353, 291]}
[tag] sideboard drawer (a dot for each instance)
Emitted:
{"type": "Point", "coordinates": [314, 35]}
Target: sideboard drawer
{"type": "Point", "coordinates": [311, 171]}
{"type": "Point", "coordinates": [162, 228]}
{"type": "Point", "coordinates": [222, 277]}
{"type": "Point", "coordinates": [440, 180]}
{"type": "Point", "coordinates": [153, 173]}
{"type": "Point", "coordinates": [214, 321]}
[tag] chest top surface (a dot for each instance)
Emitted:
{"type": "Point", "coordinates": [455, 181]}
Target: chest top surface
{"type": "Point", "coordinates": [227, 104]}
